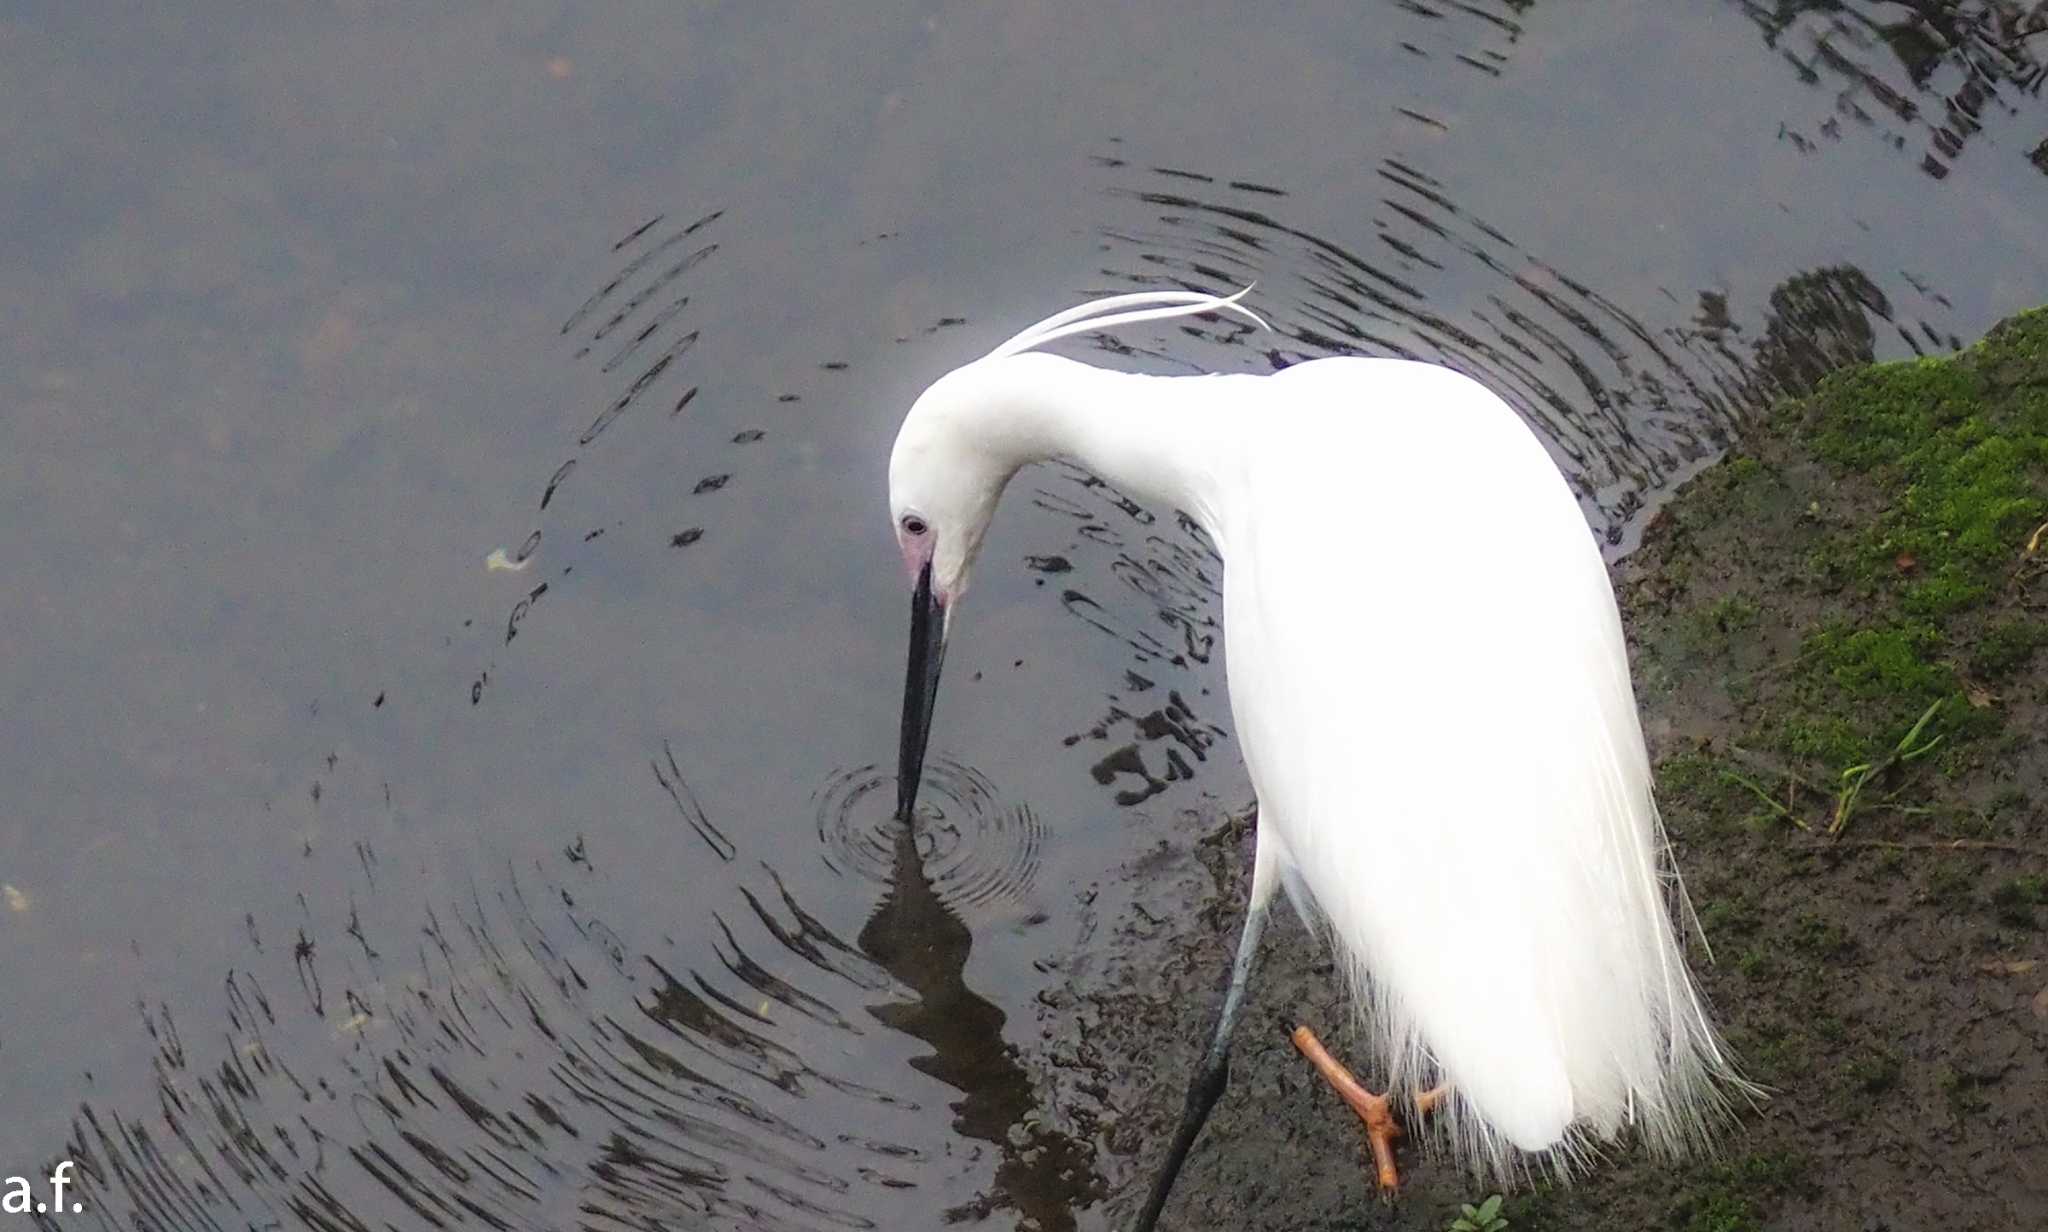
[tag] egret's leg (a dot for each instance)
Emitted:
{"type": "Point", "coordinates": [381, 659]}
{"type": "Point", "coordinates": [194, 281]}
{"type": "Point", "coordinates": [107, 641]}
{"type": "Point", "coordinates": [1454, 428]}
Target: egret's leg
{"type": "Point", "coordinates": [1214, 1074]}
{"type": "Point", "coordinates": [1375, 1110]}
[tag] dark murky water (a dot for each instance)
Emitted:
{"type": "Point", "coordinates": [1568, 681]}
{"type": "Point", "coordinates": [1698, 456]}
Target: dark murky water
{"type": "Point", "coordinates": [351, 882]}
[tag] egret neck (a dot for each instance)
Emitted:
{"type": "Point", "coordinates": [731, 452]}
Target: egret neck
{"type": "Point", "coordinates": [1117, 425]}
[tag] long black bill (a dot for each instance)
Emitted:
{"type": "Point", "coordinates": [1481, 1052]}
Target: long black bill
{"type": "Point", "coordinates": [920, 689]}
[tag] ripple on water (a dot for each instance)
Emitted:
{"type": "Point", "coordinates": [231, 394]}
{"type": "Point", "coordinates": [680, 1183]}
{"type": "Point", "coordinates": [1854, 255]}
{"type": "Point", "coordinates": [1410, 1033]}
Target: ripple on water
{"type": "Point", "coordinates": [980, 856]}
{"type": "Point", "coordinates": [536, 1053]}
{"type": "Point", "coordinates": [541, 1069]}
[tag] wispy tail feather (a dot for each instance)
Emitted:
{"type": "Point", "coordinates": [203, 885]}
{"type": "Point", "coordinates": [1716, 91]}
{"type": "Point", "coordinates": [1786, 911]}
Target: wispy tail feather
{"type": "Point", "coordinates": [1614, 1060]}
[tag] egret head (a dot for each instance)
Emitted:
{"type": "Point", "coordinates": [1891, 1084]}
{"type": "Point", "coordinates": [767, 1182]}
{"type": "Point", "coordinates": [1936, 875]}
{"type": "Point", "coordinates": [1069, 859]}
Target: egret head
{"type": "Point", "coordinates": [945, 476]}
{"type": "Point", "coordinates": [963, 439]}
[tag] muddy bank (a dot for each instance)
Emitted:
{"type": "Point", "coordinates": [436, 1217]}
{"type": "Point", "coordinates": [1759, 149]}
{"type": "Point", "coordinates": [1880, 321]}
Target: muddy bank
{"type": "Point", "coordinates": [1837, 636]}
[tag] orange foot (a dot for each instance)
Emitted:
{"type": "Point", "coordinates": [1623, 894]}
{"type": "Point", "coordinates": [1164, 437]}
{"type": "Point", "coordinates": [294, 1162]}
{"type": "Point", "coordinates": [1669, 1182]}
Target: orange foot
{"type": "Point", "coordinates": [1380, 1126]}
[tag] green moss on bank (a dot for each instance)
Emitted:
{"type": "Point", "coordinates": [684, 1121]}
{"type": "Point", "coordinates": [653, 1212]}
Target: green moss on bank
{"type": "Point", "coordinates": [1839, 636]}
{"type": "Point", "coordinates": [1881, 532]}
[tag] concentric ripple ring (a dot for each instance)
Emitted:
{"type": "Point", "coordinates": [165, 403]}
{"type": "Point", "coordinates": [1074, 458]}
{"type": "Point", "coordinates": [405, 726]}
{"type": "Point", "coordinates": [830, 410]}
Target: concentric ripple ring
{"type": "Point", "coordinates": [978, 855]}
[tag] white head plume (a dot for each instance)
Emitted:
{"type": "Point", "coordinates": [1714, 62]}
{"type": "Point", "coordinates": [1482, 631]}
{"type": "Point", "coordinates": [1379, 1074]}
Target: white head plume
{"type": "Point", "coordinates": [1148, 306]}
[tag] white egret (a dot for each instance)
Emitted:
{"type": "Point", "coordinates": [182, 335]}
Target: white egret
{"type": "Point", "coordinates": [1431, 691]}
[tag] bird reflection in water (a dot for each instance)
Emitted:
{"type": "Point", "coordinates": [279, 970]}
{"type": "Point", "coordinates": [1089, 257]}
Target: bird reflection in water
{"type": "Point", "coordinates": [1043, 1174]}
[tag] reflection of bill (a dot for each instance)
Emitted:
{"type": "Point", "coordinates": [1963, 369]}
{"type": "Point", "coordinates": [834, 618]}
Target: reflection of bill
{"type": "Point", "coordinates": [1043, 1174]}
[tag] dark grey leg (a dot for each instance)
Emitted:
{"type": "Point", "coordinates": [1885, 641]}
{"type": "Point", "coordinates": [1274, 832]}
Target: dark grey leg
{"type": "Point", "coordinates": [1214, 1073]}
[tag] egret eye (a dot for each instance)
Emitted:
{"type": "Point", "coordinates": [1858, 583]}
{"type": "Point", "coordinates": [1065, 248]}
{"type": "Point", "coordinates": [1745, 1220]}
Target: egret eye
{"type": "Point", "coordinates": [914, 525]}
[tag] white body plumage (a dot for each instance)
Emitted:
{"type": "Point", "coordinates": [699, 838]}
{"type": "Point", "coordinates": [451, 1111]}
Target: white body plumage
{"type": "Point", "coordinates": [1431, 692]}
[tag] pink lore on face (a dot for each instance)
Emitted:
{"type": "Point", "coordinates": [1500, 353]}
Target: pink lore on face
{"type": "Point", "coordinates": [917, 552]}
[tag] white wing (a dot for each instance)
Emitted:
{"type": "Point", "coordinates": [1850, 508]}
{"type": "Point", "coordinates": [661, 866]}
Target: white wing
{"type": "Point", "coordinates": [1432, 692]}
